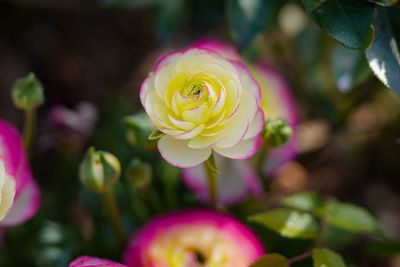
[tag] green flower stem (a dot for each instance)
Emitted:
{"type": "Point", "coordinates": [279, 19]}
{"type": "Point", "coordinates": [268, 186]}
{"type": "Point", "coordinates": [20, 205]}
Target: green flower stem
{"type": "Point", "coordinates": [29, 127]}
{"type": "Point", "coordinates": [113, 213]}
{"type": "Point", "coordinates": [212, 185]}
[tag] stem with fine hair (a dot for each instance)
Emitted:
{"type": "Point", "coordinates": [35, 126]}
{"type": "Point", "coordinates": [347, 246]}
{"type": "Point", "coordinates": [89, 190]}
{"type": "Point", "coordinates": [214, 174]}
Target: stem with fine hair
{"type": "Point", "coordinates": [113, 213]}
{"type": "Point", "coordinates": [212, 185]}
{"type": "Point", "coordinates": [29, 127]}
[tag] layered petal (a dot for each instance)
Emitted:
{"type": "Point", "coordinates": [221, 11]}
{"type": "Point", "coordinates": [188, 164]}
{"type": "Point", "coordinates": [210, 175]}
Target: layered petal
{"type": "Point", "coordinates": [243, 150]}
{"type": "Point", "coordinates": [179, 154]}
{"type": "Point", "coordinates": [25, 205]}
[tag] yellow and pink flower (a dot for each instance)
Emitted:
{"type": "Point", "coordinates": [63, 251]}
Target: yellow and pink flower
{"type": "Point", "coordinates": [193, 238]}
{"type": "Point", "coordinates": [19, 195]}
{"type": "Point", "coordinates": [203, 102]}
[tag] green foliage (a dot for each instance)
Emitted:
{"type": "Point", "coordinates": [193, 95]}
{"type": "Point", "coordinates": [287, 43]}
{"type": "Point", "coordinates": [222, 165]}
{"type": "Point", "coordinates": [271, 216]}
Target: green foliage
{"type": "Point", "coordinates": [349, 217]}
{"type": "Point", "coordinates": [384, 2]}
{"type": "Point", "coordinates": [288, 223]}
{"type": "Point", "coordinates": [308, 201]}
{"type": "Point", "coordinates": [347, 21]}
{"type": "Point", "coordinates": [271, 260]}
{"type": "Point", "coordinates": [350, 67]}
{"type": "Point", "coordinates": [384, 54]}
{"type": "Point", "coordinates": [27, 92]}
{"type": "Point", "coordinates": [324, 257]}
{"type": "Point", "coordinates": [247, 19]}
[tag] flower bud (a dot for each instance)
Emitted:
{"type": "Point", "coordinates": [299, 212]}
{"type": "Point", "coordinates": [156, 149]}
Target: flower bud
{"type": "Point", "coordinates": [99, 170]}
{"type": "Point", "coordinates": [276, 132]}
{"type": "Point", "coordinates": [27, 92]}
{"type": "Point", "coordinates": [139, 173]}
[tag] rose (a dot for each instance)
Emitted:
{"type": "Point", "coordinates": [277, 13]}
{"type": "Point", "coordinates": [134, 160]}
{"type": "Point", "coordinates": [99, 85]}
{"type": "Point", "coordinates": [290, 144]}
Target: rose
{"type": "Point", "coordinates": [188, 238]}
{"type": "Point", "coordinates": [203, 102]}
{"type": "Point", "coordinates": [20, 197]}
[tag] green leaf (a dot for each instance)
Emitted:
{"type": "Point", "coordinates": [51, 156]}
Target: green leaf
{"type": "Point", "coordinates": [384, 2]}
{"type": "Point", "coordinates": [350, 67]}
{"type": "Point", "coordinates": [347, 21]}
{"type": "Point", "coordinates": [349, 217]}
{"type": "Point", "coordinates": [324, 257]}
{"type": "Point", "coordinates": [156, 134]}
{"type": "Point", "coordinates": [271, 260]}
{"type": "Point", "coordinates": [129, 3]}
{"type": "Point", "coordinates": [308, 201]}
{"type": "Point", "coordinates": [288, 223]}
{"type": "Point", "coordinates": [384, 54]}
{"type": "Point", "coordinates": [247, 18]}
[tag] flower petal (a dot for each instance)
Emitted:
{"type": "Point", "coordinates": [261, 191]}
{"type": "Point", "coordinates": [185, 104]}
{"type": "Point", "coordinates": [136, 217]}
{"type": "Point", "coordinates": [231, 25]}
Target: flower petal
{"type": "Point", "coordinates": [162, 79]}
{"type": "Point", "coordinates": [202, 141]}
{"type": "Point", "coordinates": [256, 126]}
{"type": "Point", "coordinates": [25, 205]}
{"type": "Point", "coordinates": [243, 150]}
{"type": "Point", "coordinates": [248, 82]}
{"type": "Point", "coordinates": [177, 153]}
{"type": "Point", "coordinates": [7, 195]}
{"type": "Point", "coordinates": [86, 261]}
{"type": "Point", "coordinates": [146, 87]}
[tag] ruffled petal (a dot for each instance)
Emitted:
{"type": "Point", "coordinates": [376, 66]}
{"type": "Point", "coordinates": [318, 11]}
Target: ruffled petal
{"type": "Point", "coordinates": [86, 261]}
{"type": "Point", "coordinates": [178, 153]}
{"type": "Point", "coordinates": [256, 126]}
{"type": "Point", "coordinates": [25, 205]}
{"type": "Point", "coordinates": [243, 150]}
{"type": "Point", "coordinates": [7, 195]}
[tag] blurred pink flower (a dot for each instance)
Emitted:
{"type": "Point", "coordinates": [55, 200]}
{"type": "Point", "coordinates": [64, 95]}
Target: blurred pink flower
{"type": "Point", "coordinates": [74, 125]}
{"type": "Point", "coordinates": [193, 238]}
{"type": "Point", "coordinates": [86, 261]}
{"type": "Point", "coordinates": [26, 198]}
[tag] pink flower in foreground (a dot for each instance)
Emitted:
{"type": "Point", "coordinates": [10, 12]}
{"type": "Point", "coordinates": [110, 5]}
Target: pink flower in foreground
{"type": "Point", "coordinates": [203, 102]}
{"type": "Point", "coordinates": [20, 196]}
{"type": "Point", "coordinates": [193, 238]}
{"type": "Point", "coordinates": [86, 261]}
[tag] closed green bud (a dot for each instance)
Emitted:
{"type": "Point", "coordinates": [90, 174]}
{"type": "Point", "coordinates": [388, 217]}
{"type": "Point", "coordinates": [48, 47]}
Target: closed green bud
{"type": "Point", "coordinates": [139, 173]}
{"type": "Point", "coordinates": [99, 170]}
{"type": "Point", "coordinates": [27, 92]}
{"type": "Point", "coordinates": [276, 132]}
